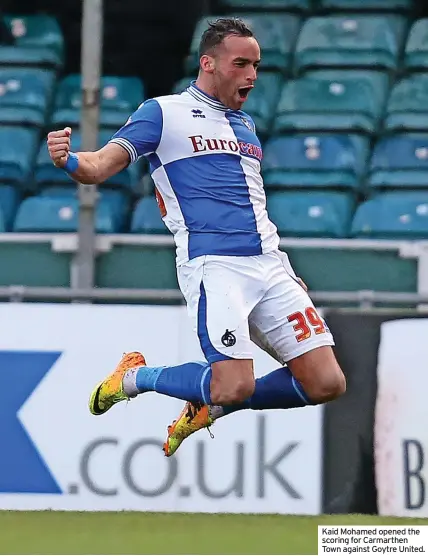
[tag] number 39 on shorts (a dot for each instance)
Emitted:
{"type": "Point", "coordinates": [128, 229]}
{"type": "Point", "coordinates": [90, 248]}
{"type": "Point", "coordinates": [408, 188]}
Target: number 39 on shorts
{"type": "Point", "coordinates": [307, 323]}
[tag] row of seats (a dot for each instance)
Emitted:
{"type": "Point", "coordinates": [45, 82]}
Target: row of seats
{"type": "Point", "coordinates": [345, 162]}
{"type": "Point", "coordinates": [334, 41]}
{"type": "Point", "coordinates": [306, 6]}
{"type": "Point", "coordinates": [39, 42]}
{"type": "Point", "coordinates": [335, 161]}
{"type": "Point", "coordinates": [351, 101]}
{"type": "Point", "coordinates": [288, 43]}
{"type": "Point", "coordinates": [325, 214]}
{"type": "Point", "coordinates": [27, 98]}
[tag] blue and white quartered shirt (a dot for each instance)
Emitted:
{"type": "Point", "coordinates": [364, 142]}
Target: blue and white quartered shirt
{"type": "Point", "coordinates": [205, 162]}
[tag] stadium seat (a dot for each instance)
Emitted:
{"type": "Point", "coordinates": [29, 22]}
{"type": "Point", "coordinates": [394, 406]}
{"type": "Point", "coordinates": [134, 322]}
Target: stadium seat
{"type": "Point", "coordinates": [407, 108]}
{"type": "Point", "coordinates": [393, 215]}
{"type": "Point", "coordinates": [25, 95]}
{"type": "Point", "coordinates": [345, 41]}
{"type": "Point", "coordinates": [37, 31]}
{"type": "Point", "coordinates": [9, 201]}
{"type": "Point", "coordinates": [118, 200]}
{"type": "Point", "coordinates": [310, 214]}
{"type": "Point", "coordinates": [47, 174]}
{"type": "Point", "coordinates": [400, 161]}
{"type": "Point", "coordinates": [120, 96]}
{"type": "Point", "coordinates": [416, 51]}
{"type": "Point", "coordinates": [58, 215]}
{"type": "Point", "coordinates": [275, 33]}
{"type": "Point", "coordinates": [332, 101]}
{"type": "Point", "coordinates": [265, 5]}
{"type": "Point", "coordinates": [25, 57]}
{"type": "Point", "coordinates": [262, 101]}
{"type": "Point", "coordinates": [17, 151]}
{"type": "Point", "coordinates": [367, 5]}
{"type": "Point", "coordinates": [146, 218]}
{"type": "Point", "coordinates": [335, 161]}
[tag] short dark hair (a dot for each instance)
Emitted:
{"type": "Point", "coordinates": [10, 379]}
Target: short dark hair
{"type": "Point", "coordinates": [220, 29]}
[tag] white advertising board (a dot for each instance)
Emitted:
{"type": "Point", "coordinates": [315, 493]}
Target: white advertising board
{"type": "Point", "coordinates": [56, 455]}
{"type": "Point", "coordinates": [401, 421]}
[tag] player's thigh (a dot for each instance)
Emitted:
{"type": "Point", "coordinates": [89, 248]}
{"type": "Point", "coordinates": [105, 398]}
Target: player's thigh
{"type": "Point", "coordinates": [287, 325]}
{"type": "Point", "coordinates": [219, 298]}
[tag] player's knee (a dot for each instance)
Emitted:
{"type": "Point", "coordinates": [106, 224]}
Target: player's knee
{"type": "Point", "coordinates": [328, 387]}
{"type": "Point", "coordinates": [232, 392]}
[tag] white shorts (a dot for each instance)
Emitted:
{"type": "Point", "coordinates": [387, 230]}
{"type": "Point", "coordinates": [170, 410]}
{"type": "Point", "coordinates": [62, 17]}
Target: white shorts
{"type": "Point", "coordinates": [234, 301]}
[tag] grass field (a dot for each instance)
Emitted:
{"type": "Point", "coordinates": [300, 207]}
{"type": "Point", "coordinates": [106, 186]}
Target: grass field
{"type": "Point", "coordinates": [148, 533]}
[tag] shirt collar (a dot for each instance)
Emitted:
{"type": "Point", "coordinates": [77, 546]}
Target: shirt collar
{"type": "Point", "coordinates": [205, 98]}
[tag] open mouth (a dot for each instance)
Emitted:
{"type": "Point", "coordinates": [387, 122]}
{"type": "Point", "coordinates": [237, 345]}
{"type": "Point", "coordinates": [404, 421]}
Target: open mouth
{"type": "Point", "coordinates": [244, 92]}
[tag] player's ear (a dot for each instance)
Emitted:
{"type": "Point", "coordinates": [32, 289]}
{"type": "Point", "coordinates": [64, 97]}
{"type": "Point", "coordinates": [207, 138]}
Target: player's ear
{"type": "Point", "coordinates": [207, 63]}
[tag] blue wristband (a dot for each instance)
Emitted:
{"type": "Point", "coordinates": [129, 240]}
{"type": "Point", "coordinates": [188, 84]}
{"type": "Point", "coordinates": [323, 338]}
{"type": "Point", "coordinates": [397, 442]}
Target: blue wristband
{"type": "Point", "coordinates": [72, 163]}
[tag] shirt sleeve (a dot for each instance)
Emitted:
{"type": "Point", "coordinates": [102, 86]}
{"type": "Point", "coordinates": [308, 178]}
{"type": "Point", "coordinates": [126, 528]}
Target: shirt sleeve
{"type": "Point", "coordinates": [142, 132]}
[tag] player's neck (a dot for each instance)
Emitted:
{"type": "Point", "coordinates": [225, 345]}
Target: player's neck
{"type": "Point", "coordinates": [207, 88]}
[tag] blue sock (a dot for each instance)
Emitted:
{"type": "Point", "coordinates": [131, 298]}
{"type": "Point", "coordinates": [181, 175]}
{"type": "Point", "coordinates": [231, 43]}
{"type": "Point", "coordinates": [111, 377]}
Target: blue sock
{"type": "Point", "coordinates": [190, 381]}
{"type": "Point", "coordinates": [276, 390]}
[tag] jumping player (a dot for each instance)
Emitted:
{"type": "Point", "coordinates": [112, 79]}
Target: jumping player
{"type": "Point", "coordinates": [205, 159]}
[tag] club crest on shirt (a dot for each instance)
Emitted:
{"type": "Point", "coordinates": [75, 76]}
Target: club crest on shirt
{"type": "Point", "coordinates": [247, 123]}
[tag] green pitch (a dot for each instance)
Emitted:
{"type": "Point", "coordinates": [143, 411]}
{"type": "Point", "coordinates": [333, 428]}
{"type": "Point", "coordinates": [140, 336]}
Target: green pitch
{"type": "Point", "coordinates": [148, 533]}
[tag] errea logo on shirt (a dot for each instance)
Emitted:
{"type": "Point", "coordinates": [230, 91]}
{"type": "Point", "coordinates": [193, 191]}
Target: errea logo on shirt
{"type": "Point", "coordinates": [198, 114]}
{"type": "Point", "coordinates": [200, 144]}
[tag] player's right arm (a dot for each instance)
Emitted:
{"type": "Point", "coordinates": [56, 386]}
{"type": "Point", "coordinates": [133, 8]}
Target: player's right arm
{"type": "Point", "coordinates": [139, 136]}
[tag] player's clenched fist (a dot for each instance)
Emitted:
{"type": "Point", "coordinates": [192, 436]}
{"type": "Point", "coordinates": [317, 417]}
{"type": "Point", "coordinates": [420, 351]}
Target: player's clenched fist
{"type": "Point", "coordinates": [59, 146]}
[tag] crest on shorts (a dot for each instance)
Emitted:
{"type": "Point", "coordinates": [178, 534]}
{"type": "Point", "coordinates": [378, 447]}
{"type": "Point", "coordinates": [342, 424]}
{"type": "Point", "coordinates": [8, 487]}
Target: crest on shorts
{"type": "Point", "coordinates": [228, 339]}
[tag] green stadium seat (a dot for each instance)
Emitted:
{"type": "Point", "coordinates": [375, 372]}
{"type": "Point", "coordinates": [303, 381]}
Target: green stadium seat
{"type": "Point", "coordinates": [393, 6]}
{"type": "Point", "coordinates": [267, 5]}
{"type": "Point", "coordinates": [276, 35]}
{"type": "Point", "coordinates": [118, 200]}
{"type": "Point", "coordinates": [351, 101]}
{"type": "Point", "coordinates": [146, 218]}
{"type": "Point", "coordinates": [120, 96]}
{"type": "Point", "coordinates": [321, 161]}
{"type": "Point", "coordinates": [350, 41]}
{"type": "Point", "coordinates": [29, 57]}
{"type": "Point", "coordinates": [393, 215]}
{"type": "Point", "coordinates": [310, 214]}
{"type": "Point", "coordinates": [37, 31]}
{"type": "Point", "coordinates": [262, 101]}
{"type": "Point", "coordinates": [407, 108]}
{"type": "Point", "coordinates": [47, 174]}
{"type": "Point", "coordinates": [400, 161]}
{"type": "Point", "coordinates": [17, 151]}
{"type": "Point", "coordinates": [58, 215]}
{"type": "Point", "coordinates": [9, 201]}
{"type": "Point", "coordinates": [416, 51]}
{"type": "Point", "coordinates": [25, 96]}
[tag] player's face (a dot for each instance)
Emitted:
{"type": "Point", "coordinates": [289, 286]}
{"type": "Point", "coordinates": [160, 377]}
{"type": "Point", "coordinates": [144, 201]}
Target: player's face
{"type": "Point", "coordinates": [235, 70]}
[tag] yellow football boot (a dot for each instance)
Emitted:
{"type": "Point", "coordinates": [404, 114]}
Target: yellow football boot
{"type": "Point", "coordinates": [110, 391]}
{"type": "Point", "coordinates": [195, 416]}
